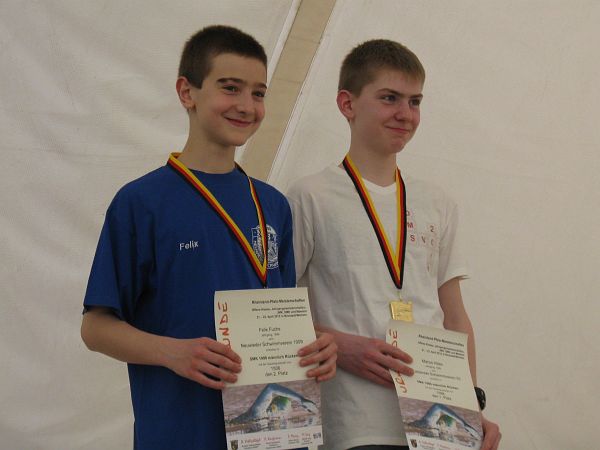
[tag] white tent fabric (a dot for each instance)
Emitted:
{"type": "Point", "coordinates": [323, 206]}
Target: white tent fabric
{"type": "Point", "coordinates": [509, 127]}
{"type": "Point", "coordinates": [88, 103]}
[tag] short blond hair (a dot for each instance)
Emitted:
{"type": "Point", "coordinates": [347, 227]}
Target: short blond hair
{"type": "Point", "coordinates": [361, 65]}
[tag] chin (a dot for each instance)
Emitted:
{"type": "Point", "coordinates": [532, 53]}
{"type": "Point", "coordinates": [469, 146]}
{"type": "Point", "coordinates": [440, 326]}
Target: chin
{"type": "Point", "coordinates": [399, 147]}
{"type": "Point", "coordinates": [239, 143]}
{"type": "Point", "coordinates": [236, 141]}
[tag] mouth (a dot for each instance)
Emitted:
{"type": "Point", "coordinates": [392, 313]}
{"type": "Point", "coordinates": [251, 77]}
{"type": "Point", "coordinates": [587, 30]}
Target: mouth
{"type": "Point", "coordinates": [239, 123]}
{"type": "Point", "coordinates": [399, 130]}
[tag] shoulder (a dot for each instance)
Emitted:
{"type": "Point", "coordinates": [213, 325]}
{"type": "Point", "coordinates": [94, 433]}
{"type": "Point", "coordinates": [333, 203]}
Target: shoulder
{"type": "Point", "coordinates": [146, 183]}
{"type": "Point", "coordinates": [313, 184]}
{"type": "Point", "coordinates": [270, 196]}
{"type": "Point", "coordinates": [267, 189]}
{"type": "Point", "coordinates": [143, 192]}
{"type": "Point", "coordinates": [426, 193]}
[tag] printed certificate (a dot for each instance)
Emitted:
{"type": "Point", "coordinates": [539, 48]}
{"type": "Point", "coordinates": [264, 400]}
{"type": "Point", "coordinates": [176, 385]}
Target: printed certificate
{"type": "Point", "coordinates": [438, 403]}
{"type": "Point", "coordinates": [272, 405]}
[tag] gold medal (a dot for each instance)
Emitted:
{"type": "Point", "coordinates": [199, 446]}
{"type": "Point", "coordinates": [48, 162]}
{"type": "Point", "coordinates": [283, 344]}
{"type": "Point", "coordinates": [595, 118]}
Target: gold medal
{"type": "Point", "coordinates": [402, 310]}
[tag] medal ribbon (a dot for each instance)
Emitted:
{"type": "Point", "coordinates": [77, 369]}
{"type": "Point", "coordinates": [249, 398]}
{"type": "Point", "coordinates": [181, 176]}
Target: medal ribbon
{"type": "Point", "coordinates": [393, 259]}
{"type": "Point", "coordinates": [259, 267]}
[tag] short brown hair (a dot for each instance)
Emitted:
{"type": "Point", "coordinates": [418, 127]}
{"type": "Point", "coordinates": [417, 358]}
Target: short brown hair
{"type": "Point", "coordinates": [360, 66]}
{"type": "Point", "coordinates": [202, 47]}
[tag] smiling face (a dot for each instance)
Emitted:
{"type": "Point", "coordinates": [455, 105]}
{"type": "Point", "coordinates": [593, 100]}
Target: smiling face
{"type": "Point", "coordinates": [386, 113]}
{"type": "Point", "coordinates": [229, 106]}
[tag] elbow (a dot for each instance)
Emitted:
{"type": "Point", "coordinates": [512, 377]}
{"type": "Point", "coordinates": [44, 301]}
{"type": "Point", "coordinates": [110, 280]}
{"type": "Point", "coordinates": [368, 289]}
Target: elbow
{"type": "Point", "coordinates": [91, 328]}
{"type": "Point", "coordinates": [86, 334]}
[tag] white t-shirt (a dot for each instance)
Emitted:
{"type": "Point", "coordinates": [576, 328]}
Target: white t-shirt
{"type": "Point", "coordinates": [339, 258]}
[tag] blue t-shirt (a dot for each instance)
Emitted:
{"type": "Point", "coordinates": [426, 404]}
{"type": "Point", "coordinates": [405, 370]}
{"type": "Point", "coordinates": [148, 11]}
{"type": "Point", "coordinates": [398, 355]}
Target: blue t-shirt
{"type": "Point", "coordinates": [162, 254]}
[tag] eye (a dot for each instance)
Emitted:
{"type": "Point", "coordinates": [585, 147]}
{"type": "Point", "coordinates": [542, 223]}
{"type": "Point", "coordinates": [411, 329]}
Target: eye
{"type": "Point", "coordinates": [389, 98]}
{"type": "Point", "coordinates": [231, 88]}
{"type": "Point", "coordinates": [259, 94]}
{"type": "Point", "coordinates": [415, 101]}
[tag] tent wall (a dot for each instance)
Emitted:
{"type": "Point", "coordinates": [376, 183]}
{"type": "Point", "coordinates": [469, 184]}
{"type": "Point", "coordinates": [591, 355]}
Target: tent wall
{"type": "Point", "coordinates": [509, 128]}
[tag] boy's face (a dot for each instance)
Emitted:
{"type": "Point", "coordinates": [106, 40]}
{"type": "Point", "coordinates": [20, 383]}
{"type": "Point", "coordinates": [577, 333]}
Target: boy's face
{"type": "Point", "coordinates": [229, 106]}
{"type": "Point", "coordinates": [386, 114]}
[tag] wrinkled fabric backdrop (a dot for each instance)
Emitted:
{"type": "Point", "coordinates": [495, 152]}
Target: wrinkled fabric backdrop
{"type": "Point", "coordinates": [509, 127]}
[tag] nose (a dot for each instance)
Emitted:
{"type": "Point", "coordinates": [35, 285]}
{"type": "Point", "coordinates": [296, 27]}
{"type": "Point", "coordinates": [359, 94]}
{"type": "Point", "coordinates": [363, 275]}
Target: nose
{"type": "Point", "coordinates": [403, 111]}
{"type": "Point", "coordinates": [245, 103]}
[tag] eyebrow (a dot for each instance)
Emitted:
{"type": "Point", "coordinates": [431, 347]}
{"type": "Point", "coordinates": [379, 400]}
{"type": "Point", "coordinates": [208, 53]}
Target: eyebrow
{"type": "Point", "coordinates": [238, 81]}
{"type": "Point", "coordinates": [399, 94]}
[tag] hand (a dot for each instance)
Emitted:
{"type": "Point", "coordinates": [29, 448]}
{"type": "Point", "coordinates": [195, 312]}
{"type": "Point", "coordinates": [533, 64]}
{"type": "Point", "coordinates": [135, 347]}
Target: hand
{"type": "Point", "coordinates": [204, 361]}
{"type": "Point", "coordinates": [491, 435]}
{"type": "Point", "coordinates": [371, 358]}
{"type": "Point", "coordinates": [323, 352]}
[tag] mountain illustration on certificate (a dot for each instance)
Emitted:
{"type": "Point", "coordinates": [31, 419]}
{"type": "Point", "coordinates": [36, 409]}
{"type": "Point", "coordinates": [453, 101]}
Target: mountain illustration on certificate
{"type": "Point", "coordinates": [273, 406]}
{"type": "Point", "coordinates": [438, 421]}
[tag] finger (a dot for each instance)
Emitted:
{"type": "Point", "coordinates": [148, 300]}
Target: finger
{"type": "Point", "coordinates": [202, 379]}
{"type": "Point", "coordinates": [380, 371]}
{"type": "Point", "coordinates": [389, 362]}
{"type": "Point", "coordinates": [326, 368]}
{"type": "Point", "coordinates": [216, 372]}
{"type": "Point", "coordinates": [218, 360]}
{"type": "Point", "coordinates": [377, 379]}
{"type": "Point", "coordinates": [327, 376]}
{"type": "Point", "coordinates": [322, 341]}
{"type": "Point", "coordinates": [323, 355]}
{"type": "Point", "coordinates": [222, 349]}
{"type": "Point", "coordinates": [395, 352]}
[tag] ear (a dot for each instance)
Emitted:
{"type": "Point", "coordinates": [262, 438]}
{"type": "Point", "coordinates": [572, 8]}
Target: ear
{"type": "Point", "coordinates": [344, 101]}
{"type": "Point", "coordinates": [184, 93]}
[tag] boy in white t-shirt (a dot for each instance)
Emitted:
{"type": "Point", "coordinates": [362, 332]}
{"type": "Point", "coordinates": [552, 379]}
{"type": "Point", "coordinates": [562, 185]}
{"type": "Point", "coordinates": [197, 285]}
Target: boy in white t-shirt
{"type": "Point", "coordinates": [364, 235]}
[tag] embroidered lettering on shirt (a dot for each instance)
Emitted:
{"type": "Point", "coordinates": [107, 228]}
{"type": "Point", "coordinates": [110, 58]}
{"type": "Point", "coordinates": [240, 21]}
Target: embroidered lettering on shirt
{"type": "Point", "coordinates": [188, 245]}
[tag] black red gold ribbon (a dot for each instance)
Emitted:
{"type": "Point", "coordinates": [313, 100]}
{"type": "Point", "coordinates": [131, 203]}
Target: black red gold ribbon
{"type": "Point", "coordinates": [393, 259]}
{"type": "Point", "coordinates": [260, 267]}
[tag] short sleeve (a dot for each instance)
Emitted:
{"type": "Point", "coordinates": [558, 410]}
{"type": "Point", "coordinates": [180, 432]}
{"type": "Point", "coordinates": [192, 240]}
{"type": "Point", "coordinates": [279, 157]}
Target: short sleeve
{"type": "Point", "coordinates": [286, 251]}
{"type": "Point", "coordinates": [120, 270]}
{"type": "Point", "coordinates": [303, 231]}
{"type": "Point", "coordinates": [451, 260]}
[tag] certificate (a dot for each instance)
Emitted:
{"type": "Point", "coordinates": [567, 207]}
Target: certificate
{"type": "Point", "coordinates": [438, 403]}
{"type": "Point", "coordinates": [273, 405]}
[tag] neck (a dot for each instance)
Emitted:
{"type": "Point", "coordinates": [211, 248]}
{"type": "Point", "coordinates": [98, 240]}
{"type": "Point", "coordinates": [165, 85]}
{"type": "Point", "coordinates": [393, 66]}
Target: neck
{"type": "Point", "coordinates": [378, 169]}
{"type": "Point", "coordinates": [207, 157]}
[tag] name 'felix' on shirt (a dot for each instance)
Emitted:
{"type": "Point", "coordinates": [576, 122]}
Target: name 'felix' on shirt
{"type": "Point", "coordinates": [188, 245]}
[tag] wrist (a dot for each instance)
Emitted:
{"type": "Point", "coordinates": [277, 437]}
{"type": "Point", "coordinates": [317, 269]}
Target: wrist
{"type": "Point", "coordinates": [167, 352]}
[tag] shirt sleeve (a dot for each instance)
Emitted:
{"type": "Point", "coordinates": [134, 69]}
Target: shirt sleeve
{"type": "Point", "coordinates": [304, 243]}
{"type": "Point", "coordinates": [452, 263]}
{"type": "Point", "coordinates": [286, 251]}
{"type": "Point", "coordinates": [119, 271]}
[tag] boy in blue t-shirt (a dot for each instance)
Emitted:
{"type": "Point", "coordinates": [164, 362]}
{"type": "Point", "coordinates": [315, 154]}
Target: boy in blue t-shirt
{"type": "Point", "coordinates": [178, 234]}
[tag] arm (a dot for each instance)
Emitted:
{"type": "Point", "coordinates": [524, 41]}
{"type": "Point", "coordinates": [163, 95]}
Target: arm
{"type": "Point", "coordinates": [457, 319]}
{"type": "Point", "coordinates": [202, 360]}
